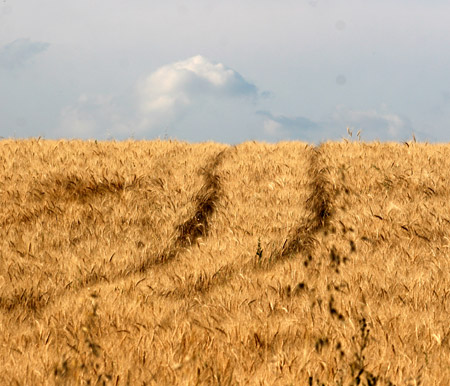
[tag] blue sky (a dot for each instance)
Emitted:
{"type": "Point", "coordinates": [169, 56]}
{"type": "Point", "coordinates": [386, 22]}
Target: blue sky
{"type": "Point", "coordinates": [227, 71]}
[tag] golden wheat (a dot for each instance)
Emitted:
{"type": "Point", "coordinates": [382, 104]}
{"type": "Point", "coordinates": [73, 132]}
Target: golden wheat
{"type": "Point", "coordinates": [162, 262]}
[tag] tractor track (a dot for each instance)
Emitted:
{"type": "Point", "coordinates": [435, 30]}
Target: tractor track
{"type": "Point", "coordinates": [198, 225]}
{"type": "Point", "coordinates": [303, 239]}
{"type": "Point", "coordinates": [320, 205]}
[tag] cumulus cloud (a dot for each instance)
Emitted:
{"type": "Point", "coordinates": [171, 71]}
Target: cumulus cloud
{"type": "Point", "coordinates": [379, 123]}
{"type": "Point", "coordinates": [193, 99]}
{"type": "Point", "coordinates": [99, 116]}
{"type": "Point", "coordinates": [17, 53]}
{"type": "Point", "coordinates": [169, 93]}
{"type": "Point", "coordinates": [280, 127]}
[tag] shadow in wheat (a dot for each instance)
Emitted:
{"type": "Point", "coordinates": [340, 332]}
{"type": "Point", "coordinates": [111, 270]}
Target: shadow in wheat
{"type": "Point", "coordinates": [197, 226]}
{"type": "Point", "coordinates": [320, 205]}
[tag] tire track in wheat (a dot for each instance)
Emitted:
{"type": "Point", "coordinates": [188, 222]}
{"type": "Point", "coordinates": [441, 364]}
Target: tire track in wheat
{"type": "Point", "coordinates": [320, 204]}
{"type": "Point", "coordinates": [197, 226]}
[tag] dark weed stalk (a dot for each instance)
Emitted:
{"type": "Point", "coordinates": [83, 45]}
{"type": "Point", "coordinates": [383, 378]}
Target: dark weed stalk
{"type": "Point", "coordinates": [358, 366]}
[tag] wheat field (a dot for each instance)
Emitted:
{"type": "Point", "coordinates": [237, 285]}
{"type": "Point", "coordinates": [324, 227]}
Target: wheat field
{"type": "Point", "coordinates": [169, 263]}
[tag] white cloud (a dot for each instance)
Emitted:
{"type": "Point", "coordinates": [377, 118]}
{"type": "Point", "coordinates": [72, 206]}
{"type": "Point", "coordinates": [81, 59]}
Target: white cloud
{"type": "Point", "coordinates": [374, 123]}
{"type": "Point", "coordinates": [190, 98]}
{"type": "Point", "coordinates": [94, 116]}
{"type": "Point", "coordinates": [74, 124]}
{"type": "Point", "coordinates": [168, 94]}
{"type": "Point", "coordinates": [19, 52]}
{"type": "Point", "coordinates": [272, 127]}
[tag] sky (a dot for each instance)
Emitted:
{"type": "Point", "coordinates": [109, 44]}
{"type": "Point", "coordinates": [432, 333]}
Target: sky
{"type": "Point", "coordinates": [227, 71]}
